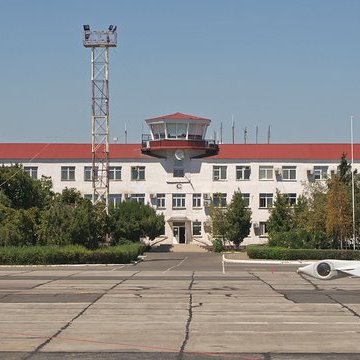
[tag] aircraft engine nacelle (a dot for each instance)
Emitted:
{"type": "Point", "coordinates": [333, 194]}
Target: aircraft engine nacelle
{"type": "Point", "coordinates": [324, 270]}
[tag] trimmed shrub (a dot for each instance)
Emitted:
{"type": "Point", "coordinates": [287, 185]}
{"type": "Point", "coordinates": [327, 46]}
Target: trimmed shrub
{"type": "Point", "coordinates": [218, 245]}
{"type": "Point", "coordinates": [72, 254]}
{"type": "Point", "coordinates": [278, 253]}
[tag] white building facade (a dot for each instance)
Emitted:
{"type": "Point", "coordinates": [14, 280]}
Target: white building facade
{"type": "Point", "coordinates": [180, 173]}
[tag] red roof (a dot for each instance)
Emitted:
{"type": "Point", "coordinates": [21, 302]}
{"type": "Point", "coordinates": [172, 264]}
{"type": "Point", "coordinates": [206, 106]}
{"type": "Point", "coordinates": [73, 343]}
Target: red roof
{"type": "Point", "coordinates": [178, 116]}
{"type": "Point", "coordinates": [49, 151]}
{"type": "Point", "coordinates": [32, 151]}
{"type": "Point", "coordinates": [321, 151]}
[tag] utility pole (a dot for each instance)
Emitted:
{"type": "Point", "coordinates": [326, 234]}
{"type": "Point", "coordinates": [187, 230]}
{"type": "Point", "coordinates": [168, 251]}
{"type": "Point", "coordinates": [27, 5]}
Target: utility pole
{"type": "Point", "coordinates": [99, 42]}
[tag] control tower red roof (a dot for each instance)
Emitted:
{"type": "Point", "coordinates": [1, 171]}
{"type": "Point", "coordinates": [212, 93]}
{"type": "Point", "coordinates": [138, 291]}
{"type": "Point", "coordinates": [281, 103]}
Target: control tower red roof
{"type": "Point", "coordinates": [178, 116]}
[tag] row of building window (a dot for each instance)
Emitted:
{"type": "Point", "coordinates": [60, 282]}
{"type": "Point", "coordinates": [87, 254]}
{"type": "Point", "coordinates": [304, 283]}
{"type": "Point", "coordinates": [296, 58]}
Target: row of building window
{"type": "Point", "coordinates": [68, 173]}
{"type": "Point", "coordinates": [243, 172]}
{"type": "Point", "coordinates": [198, 200]}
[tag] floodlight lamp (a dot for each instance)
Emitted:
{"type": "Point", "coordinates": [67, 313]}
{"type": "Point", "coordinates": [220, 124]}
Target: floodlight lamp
{"type": "Point", "coordinates": [111, 27]}
{"type": "Point", "coordinates": [86, 28]}
{"type": "Point", "coordinates": [114, 29]}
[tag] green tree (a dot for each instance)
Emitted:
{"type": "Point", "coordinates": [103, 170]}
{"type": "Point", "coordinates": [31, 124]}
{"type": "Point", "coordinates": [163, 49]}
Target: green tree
{"type": "Point", "coordinates": [216, 224]}
{"type": "Point", "coordinates": [70, 219]}
{"type": "Point", "coordinates": [238, 220]}
{"type": "Point", "coordinates": [131, 220]}
{"type": "Point", "coordinates": [301, 213]}
{"type": "Point", "coordinates": [345, 170]}
{"type": "Point", "coordinates": [338, 210]}
{"type": "Point", "coordinates": [281, 215]}
{"type": "Point", "coordinates": [18, 227]}
{"type": "Point", "coordinates": [21, 191]}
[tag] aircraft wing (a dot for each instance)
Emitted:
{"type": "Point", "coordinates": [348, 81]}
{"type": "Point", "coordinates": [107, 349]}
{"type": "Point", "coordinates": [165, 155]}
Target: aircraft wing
{"type": "Point", "coordinates": [351, 270]}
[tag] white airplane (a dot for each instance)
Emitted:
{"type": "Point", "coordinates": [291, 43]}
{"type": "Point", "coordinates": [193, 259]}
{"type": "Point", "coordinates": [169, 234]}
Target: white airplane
{"type": "Point", "coordinates": [330, 269]}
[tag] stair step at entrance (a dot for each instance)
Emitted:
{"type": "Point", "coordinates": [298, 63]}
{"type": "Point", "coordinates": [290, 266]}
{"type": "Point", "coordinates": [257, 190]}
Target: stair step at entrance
{"type": "Point", "coordinates": [187, 248]}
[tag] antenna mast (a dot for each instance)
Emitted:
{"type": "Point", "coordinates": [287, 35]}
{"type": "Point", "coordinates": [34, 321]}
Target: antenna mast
{"type": "Point", "coordinates": [233, 129]}
{"type": "Point", "coordinates": [99, 42]}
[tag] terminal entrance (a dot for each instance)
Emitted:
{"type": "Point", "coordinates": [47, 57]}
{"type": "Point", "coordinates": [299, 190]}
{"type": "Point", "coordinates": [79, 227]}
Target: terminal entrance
{"type": "Point", "coordinates": [179, 232]}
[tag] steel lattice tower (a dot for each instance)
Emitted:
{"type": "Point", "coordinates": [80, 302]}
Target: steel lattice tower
{"type": "Point", "coordinates": [100, 42]}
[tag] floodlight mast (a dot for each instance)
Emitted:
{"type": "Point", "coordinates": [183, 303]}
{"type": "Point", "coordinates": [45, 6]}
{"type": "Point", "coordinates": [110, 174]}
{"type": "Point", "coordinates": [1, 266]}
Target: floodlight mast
{"type": "Point", "coordinates": [99, 42]}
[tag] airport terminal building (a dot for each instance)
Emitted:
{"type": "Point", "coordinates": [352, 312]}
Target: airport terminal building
{"type": "Point", "coordinates": [180, 173]}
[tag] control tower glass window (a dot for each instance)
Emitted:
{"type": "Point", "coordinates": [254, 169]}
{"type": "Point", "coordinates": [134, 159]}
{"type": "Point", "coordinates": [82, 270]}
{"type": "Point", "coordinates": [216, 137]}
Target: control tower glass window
{"type": "Point", "coordinates": [196, 132]}
{"type": "Point", "coordinates": [158, 131]}
{"type": "Point", "coordinates": [181, 130]}
{"type": "Point", "coordinates": [171, 131]}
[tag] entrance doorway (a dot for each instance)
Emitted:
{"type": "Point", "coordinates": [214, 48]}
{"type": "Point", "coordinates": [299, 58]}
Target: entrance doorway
{"type": "Point", "coordinates": [179, 232]}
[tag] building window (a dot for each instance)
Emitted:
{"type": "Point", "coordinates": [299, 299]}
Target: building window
{"type": "Point", "coordinates": [265, 200]}
{"type": "Point", "coordinates": [289, 172]}
{"type": "Point", "coordinates": [138, 173]}
{"type": "Point", "coordinates": [88, 197]}
{"type": "Point", "coordinates": [32, 171]}
{"type": "Point", "coordinates": [291, 198]}
{"type": "Point", "coordinates": [140, 198]}
{"type": "Point", "coordinates": [196, 200]}
{"type": "Point", "coordinates": [160, 201]}
{"type": "Point", "coordinates": [320, 172]}
{"type": "Point", "coordinates": [263, 228]}
{"type": "Point", "coordinates": [219, 173]}
{"type": "Point", "coordinates": [266, 173]}
{"type": "Point", "coordinates": [179, 173]}
{"type": "Point", "coordinates": [242, 172]}
{"type": "Point", "coordinates": [178, 201]}
{"type": "Point", "coordinates": [88, 172]}
{"type": "Point", "coordinates": [178, 168]}
{"type": "Point", "coordinates": [196, 228]}
{"type": "Point", "coordinates": [219, 200]}
{"type": "Point", "coordinates": [246, 198]}
{"type": "Point", "coordinates": [68, 173]}
{"type": "Point", "coordinates": [114, 199]}
{"type": "Point", "coordinates": [115, 173]}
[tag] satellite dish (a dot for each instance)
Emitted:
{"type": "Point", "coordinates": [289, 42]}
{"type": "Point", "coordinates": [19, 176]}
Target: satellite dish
{"type": "Point", "coordinates": [179, 155]}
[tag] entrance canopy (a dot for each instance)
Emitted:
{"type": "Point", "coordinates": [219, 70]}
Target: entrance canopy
{"type": "Point", "coordinates": [178, 219]}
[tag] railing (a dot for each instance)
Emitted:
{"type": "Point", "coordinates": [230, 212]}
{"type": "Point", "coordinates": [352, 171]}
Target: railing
{"type": "Point", "coordinates": [148, 144]}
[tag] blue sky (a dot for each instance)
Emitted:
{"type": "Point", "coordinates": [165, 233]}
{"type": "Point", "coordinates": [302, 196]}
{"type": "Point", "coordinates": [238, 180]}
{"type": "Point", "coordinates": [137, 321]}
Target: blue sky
{"type": "Point", "coordinates": [291, 64]}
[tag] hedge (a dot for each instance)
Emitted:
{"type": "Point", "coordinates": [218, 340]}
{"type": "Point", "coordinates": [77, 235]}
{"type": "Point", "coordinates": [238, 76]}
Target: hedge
{"type": "Point", "coordinates": [266, 252]}
{"type": "Point", "coordinates": [72, 254]}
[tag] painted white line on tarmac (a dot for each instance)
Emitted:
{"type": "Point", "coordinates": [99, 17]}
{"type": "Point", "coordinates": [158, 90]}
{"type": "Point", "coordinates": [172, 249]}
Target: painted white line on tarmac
{"type": "Point", "coordinates": [175, 266]}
